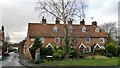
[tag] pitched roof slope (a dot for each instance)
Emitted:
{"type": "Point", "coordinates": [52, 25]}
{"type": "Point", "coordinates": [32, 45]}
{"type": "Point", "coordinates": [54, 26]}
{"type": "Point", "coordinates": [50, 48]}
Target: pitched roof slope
{"type": "Point", "coordinates": [45, 30]}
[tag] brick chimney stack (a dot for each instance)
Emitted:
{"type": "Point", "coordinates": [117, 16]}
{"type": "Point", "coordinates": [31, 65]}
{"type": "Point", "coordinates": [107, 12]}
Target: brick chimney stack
{"type": "Point", "coordinates": [82, 22]}
{"type": "Point", "coordinates": [70, 22]}
{"type": "Point", "coordinates": [2, 28]}
{"type": "Point", "coordinates": [94, 23]}
{"type": "Point", "coordinates": [57, 21]}
{"type": "Point", "coordinates": [43, 20]}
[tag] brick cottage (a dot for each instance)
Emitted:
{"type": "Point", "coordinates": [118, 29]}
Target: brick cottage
{"type": "Point", "coordinates": [87, 36]}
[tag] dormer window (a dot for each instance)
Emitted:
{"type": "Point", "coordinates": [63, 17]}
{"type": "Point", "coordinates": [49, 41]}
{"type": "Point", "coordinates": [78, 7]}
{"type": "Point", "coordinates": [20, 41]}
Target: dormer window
{"type": "Point", "coordinates": [70, 29]}
{"type": "Point", "coordinates": [97, 30]}
{"type": "Point", "coordinates": [55, 29]}
{"type": "Point", "coordinates": [83, 29]}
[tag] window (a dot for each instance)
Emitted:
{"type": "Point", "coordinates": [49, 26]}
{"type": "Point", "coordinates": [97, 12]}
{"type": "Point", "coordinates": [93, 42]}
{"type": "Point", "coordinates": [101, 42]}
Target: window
{"type": "Point", "coordinates": [101, 40]}
{"type": "Point", "coordinates": [55, 29]}
{"type": "Point", "coordinates": [87, 40]}
{"type": "Point", "coordinates": [83, 29]}
{"type": "Point", "coordinates": [32, 39]}
{"type": "Point", "coordinates": [70, 29]}
{"type": "Point", "coordinates": [57, 40]}
{"type": "Point", "coordinates": [97, 30]}
{"type": "Point", "coordinates": [41, 39]}
{"type": "Point", "coordinates": [88, 49]}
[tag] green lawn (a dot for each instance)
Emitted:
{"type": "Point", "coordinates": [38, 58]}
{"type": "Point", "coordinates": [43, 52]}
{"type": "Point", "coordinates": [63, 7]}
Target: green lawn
{"type": "Point", "coordinates": [85, 62]}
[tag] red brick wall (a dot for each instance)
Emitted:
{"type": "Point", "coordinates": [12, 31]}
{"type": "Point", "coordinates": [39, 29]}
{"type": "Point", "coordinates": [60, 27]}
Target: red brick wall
{"type": "Point", "coordinates": [51, 41]}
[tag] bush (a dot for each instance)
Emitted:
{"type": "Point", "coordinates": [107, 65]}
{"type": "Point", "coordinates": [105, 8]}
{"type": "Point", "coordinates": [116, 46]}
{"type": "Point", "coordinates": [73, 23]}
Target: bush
{"type": "Point", "coordinates": [48, 51]}
{"type": "Point", "coordinates": [109, 55]}
{"type": "Point", "coordinates": [111, 48]}
{"type": "Point", "coordinates": [58, 53]}
{"type": "Point", "coordinates": [118, 48]}
{"type": "Point", "coordinates": [37, 62]}
{"type": "Point", "coordinates": [100, 51]}
{"type": "Point", "coordinates": [37, 44]}
{"type": "Point", "coordinates": [73, 53]}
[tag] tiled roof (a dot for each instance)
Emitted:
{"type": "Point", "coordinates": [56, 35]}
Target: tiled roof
{"type": "Point", "coordinates": [45, 30]}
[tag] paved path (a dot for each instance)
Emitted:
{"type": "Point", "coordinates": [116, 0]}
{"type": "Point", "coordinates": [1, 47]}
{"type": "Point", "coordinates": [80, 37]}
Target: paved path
{"type": "Point", "coordinates": [12, 60]}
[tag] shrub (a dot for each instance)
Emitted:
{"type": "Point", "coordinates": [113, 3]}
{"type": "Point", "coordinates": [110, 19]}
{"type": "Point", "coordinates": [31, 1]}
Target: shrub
{"type": "Point", "coordinates": [100, 51]}
{"type": "Point", "coordinates": [58, 53]}
{"type": "Point", "coordinates": [36, 61]}
{"type": "Point", "coordinates": [109, 55]}
{"type": "Point", "coordinates": [48, 50]}
{"type": "Point", "coordinates": [37, 44]}
{"type": "Point", "coordinates": [45, 51]}
{"type": "Point", "coordinates": [32, 51]}
{"type": "Point", "coordinates": [111, 49]}
{"type": "Point", "coordinates": [118, 51]}
{"type": "Point", "coordinates": [73, 53]}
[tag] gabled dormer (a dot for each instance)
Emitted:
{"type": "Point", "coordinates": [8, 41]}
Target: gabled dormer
{"type": "Point", "coordinates": [83, 29]}
{"type": "Point", "coordinates": [70, 29]}
{"type": "Point", "coordinates": [97, 29]}
{"type": "Point", "coordinates": [55, 29]}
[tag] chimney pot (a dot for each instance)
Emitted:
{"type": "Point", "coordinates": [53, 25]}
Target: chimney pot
{"type": "Point", "coordinates": [94, 23]}
{"type": "Point", "coordinates": [82, 22]}
{"type": "Point", "coordinates": [43, 20]}
{"type": "Point", "coordinates": [70, 22]}
{"type": "Point", "coordinates": [2, 28]}
{"type": "Point", "coordinates": [57, 21]}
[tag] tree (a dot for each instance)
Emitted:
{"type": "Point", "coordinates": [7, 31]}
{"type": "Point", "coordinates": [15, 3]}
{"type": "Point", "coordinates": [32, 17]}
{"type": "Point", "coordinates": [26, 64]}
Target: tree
{"type": "Point", "coordinates": [64, 11]}
{"type": "Point", "coordinates": [111, 48]}
{"type": "Point", "coordinates": [37, 44]}
{"type": "Point", "coordinates": [21, 45]}
{"type": "Point", "coordinates": [6, 44]}
{"type": "Point", "coordinates": [110, 29]}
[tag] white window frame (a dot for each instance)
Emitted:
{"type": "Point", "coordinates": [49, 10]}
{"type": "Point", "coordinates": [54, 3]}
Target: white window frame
{"type": "Point", "coordinates": [55, 29]}
{"type": "Point", "coordinates": [57, 38]}
{"type": "Point", "coordinates": [97, 29]}
{"type": "Point", "coordinates": [87, 41]}
{"type": "Point", "coordinates": [102, 39]}
{"type": "Point", "coordinates": [83, 29]}
{"type": "Point", "coordinates": [42, 39]}
{"type": "Point", "coordinates": [70, 29]}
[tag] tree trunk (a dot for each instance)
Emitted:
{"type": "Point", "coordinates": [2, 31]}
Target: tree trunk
{"type": "Point", "coordinates": [66, 40]}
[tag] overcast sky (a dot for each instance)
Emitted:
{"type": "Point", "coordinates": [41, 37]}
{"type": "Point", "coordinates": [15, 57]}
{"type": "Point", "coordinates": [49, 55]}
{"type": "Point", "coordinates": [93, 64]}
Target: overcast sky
{"type": "Point", "coordinates": [16, 14]}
